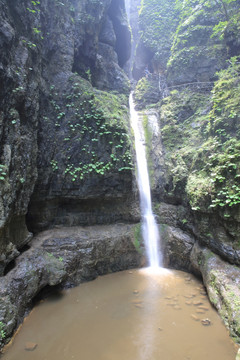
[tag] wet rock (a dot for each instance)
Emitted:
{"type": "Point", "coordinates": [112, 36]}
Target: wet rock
{"type": "Point", "coordinates": [172, 214]}
{"type": "Point", "coordinates": [205, 308]}
{"type": "Point", "coordinates": [30, 346]}
{"type": "Point", "coordinates": [107, 34]}
{"type": "Point", "coordinates": [65, 257]}
{"type": "Point", "coordinates": [197, 302]}
{"type": "Point", "coordinates": [194, 317]}
{"type": "Point", "coordinates": [206, 322]}
{"type": "Point", "coordinates": [222, 281]}
{"type": "Point", "coordinates": [109, 77]}
{"type": "Point", "coordinates": [194, 294]}
{"type": "Point", "coordinates": [137, 302]}
{"type": "Point", "coordinates": [199, 311]}
{"type": "Point", "coordinates": [222, 235]}
{"type": "Point", "coordinates": [188, 296]}
{"type": "Point", "coordinates": [175, 241]}
{"type": "Point", "coordinates": [34, 74]}
{"type": "Point", "coordinates": [139, 306]}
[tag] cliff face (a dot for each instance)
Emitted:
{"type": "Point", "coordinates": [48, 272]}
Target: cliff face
{"type": "Point", "coordinates": [187, 41]}
{"type": "Point", "coordinates": [59, 134]}
{"type": "Point", "coordinates": [198, 112]}
{"type": "Point", "coordinates": [65, 144]}
{"type": "Point", "coordinates": [192, 92]}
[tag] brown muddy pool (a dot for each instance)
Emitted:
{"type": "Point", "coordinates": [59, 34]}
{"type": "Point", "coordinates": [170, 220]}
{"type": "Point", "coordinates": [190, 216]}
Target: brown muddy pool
{"type": "Point", "coordinates": [131, 315]}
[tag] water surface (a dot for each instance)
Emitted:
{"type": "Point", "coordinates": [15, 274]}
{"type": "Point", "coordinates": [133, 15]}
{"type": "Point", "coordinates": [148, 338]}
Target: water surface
{"type": "Point", "coordinates": [131, 315]}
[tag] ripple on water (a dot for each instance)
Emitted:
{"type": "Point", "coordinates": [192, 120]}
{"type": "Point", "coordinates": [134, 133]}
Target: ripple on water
{"type": "Point", "coordinates": [132, 315]}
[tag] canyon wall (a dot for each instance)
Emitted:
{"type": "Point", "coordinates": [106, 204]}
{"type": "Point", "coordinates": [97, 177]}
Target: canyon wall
{"type": "Point", "coordinates": [189, 98]}
{"type": "Point", "coordinates": [65, 149]}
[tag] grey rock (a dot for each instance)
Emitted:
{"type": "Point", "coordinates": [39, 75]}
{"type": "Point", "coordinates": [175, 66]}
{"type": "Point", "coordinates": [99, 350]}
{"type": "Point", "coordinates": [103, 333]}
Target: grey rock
{"type": "Point", "coordinates": [41, 49]}
{"type": "Point", "coordinates": [177, 246]}
{"type": "Point", "coordinates": [222, 281]}
{"type": "Point", "coordinates": [65, 257]}
{"type": "Point", "coordinates": [109, 76]}
{"type": "Point", "coordinates": [107, 34]}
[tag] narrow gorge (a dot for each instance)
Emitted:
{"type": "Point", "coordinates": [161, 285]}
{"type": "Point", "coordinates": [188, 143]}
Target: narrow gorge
{"type": "Point", "coordinates": [69, 205]}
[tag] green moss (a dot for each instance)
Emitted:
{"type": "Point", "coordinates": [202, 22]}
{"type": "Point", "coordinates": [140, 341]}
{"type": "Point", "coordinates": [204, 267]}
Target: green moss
{"type": "Point", "coordinates": [158, 21]}
{"type": "Point", "coordinates": [113, 107]}
{"type": "Point", "coordinates": [202, 136]}
{"type": "Point", "coordinates": [138, 238]}
{"type": "Point", "coordinates": [198, 190]}
{"type": "Point", "coordinates": [148, 139]}
{"type": "Point", "coordinates": [225, 113]}
{"type": "Point", "coordinates": [2, 331]}
{"type": "Point", "coordinates": [202, 33]}
{"type": "Point", "coordinates": [91, 120]}
{"type": "Point", "coordinates": [143, 92]}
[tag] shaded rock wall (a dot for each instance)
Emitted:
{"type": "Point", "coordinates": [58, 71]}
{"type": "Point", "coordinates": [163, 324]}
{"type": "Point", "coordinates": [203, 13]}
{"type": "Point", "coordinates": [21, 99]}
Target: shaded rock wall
{"type": "Point", "coordinates": [202, 242]}
{"type": "Point", "coordinates": [47, 49]}
{"type": "Point", "coordinates": [157, 22]}
{"type": "Point", "coordinates": [186, 42]}
{"type": "Point", "coordinates": [222, 282]}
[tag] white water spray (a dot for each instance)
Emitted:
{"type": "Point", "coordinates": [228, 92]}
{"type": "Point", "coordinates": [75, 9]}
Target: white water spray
{"type": "Point", "coordinates": [149, 227]}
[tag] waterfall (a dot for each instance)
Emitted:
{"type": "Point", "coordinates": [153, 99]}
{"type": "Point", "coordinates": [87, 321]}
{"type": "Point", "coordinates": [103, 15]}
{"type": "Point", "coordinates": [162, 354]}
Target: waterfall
{"type": "Point", "coordinates": [149, 226]}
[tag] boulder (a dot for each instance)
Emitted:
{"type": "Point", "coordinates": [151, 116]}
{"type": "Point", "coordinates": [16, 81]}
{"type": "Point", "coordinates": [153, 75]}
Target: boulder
{"type": "Point", "coordinates": [222, 281]}
{"type": "Point", "coordinates": [64, 257]}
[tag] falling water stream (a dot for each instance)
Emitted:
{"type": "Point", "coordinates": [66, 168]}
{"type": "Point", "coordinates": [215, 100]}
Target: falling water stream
{"type": "Point", "coordinates": [131, 315]}
{"type": "Point", "coordinates": [150, 230]}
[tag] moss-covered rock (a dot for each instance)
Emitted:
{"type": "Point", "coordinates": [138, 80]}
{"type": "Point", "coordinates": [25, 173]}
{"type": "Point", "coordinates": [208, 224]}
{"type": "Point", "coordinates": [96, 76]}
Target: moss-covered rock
{"type": "Point", "coordinates": [157, 22]}
{"type": "Point", "coordinates": [85, 155]}
{"type": "Point", "coordinates": [147, 91]}
{"type": "Point", "coordinates": [195, 56]}
{"type": "Point", "coordinates": [222, 283]}
{"type": "Point", "coordinates": [45, 44]}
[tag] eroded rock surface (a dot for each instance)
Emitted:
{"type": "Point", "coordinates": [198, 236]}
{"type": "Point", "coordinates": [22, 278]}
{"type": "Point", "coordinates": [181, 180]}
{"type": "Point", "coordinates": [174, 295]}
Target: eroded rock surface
{"type": "Point", "coordinates": [65, 257]}
{"type": "Point", "coordinates": [222, 281]}
{"type": "Point", "coordinates": [53, 55]}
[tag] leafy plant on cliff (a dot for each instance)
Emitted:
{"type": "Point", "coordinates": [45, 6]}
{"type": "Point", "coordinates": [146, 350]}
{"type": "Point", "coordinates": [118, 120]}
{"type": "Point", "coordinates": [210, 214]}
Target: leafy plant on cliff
{"type": "Point", "coordinates": [3, 172]}
{"type": "Point", "coordinates": [204, 37]}
{"type": "Point", "coordinates": [142, 91]}
{"type": "Point", "coordinates": [158, 21]}
{"type": "Point", "coordinates": [201, 133]}
{"type": "Point", "coordinates": [225, 113]}
{"type": "Point", "coordinates": [222, 7]}
{"type": "Point", "coordinates": [94, 131]}
{"type": "Point", "coordinates": [2, 331]}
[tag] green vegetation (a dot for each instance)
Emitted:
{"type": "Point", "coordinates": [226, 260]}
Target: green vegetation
{"type": "Point", "coordinates": [202, 138]}
{"type": "Point", "coordinates": [143, 91]}
{"type": "Point", "coordinates": [3, 172]}
{"type": "Point", "coordinates": [194, 41]}
{"type": "Point", "coordinates": [95, 123]}
{"type": "Point", "coordinates": [206, 30]}
{"type": "Point", "coordinates": [183, 33]}
{"type": "Point", "coordinates": [138, 238]}
{"type": "Point", "coordinates": [2, 331]}
{"type": "Point", "coordinates": [158, 21]}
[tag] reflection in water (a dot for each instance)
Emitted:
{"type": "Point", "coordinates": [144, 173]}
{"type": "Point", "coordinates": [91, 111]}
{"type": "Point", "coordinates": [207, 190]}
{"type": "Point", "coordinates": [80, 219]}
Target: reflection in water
{"type": "Point", "coordinates": [132, 315]}
{"type": "Point", "coordinates": [152, 282]}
